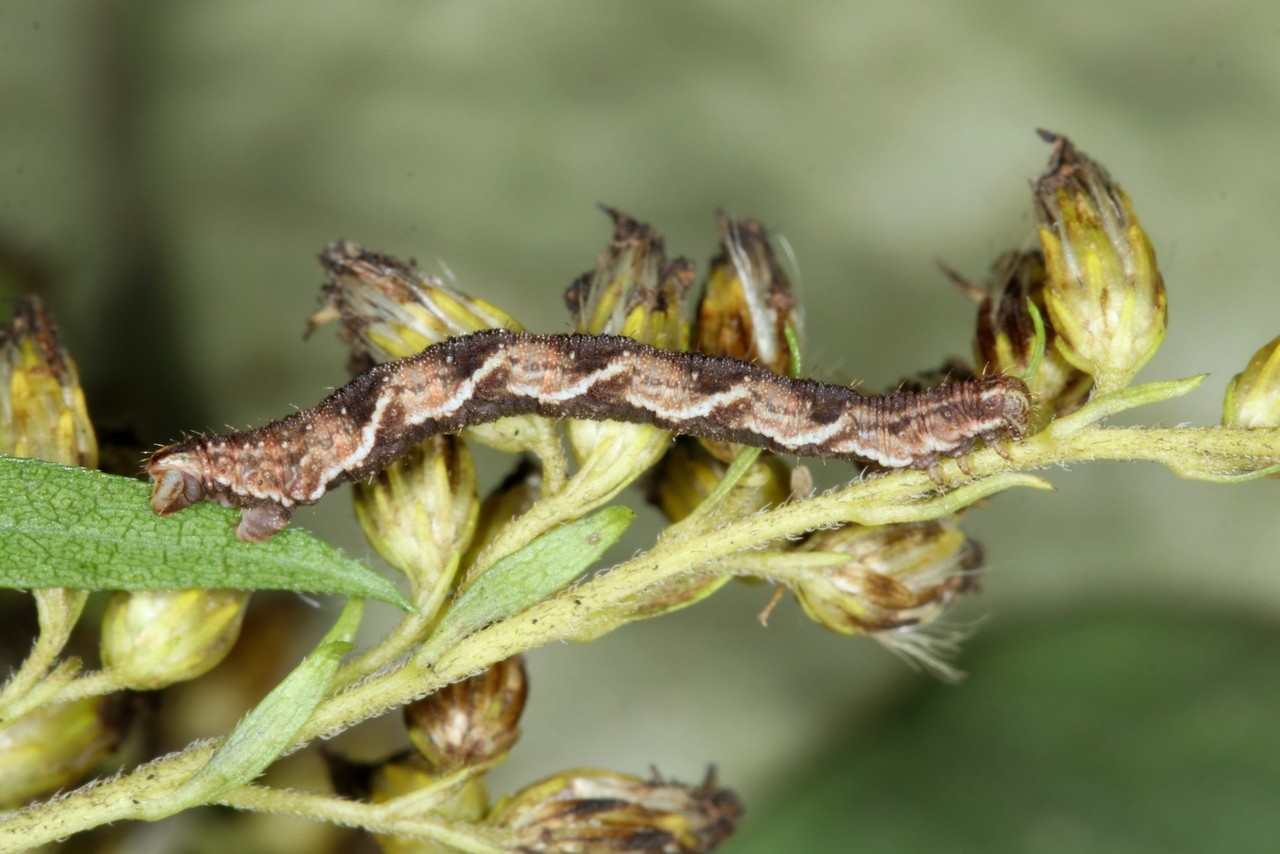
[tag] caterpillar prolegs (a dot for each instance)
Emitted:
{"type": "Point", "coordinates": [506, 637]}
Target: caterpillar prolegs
{"type": "Point", "coordinates": [384, 412]}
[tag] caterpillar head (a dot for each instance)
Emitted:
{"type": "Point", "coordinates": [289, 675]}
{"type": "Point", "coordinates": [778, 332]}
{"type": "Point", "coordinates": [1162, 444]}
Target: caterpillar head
{"type": "Point", "coordinates": [177, 478]}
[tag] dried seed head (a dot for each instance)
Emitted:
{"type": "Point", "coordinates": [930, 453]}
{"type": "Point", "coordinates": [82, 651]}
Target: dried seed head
{"type": "Point", "coordinates": [42, 408]}
{"type": "Point", "coordinates": [156, 638]}
{"type": "Point", "coordinates": [54, 746]}
{"type": "Point", "coordinates": [391, 309]}
{"type": "Point", "coordinates": [898, 577]}
{"type": "Point", "coordinates": [747, 301]}
{"type": "Point", "coordinates": [420, 513]}
{"type": "Point", "coordinates": [1253, 395]}
{"type": "Point", "coordinates": [634, 289]}
{"type": "Point", "coordinates": [601, 811]}
{"type": "Point", "coordinates": [1105, 295]}
{"type": "Point", "coordinates": [471, 721]}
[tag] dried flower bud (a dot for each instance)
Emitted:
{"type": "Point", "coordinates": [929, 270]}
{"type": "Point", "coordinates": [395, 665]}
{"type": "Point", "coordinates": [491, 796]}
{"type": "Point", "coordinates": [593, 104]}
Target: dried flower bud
{"type": "Point", "coordinates": [420, 513]}
{"type": "Point", "coordinates": [600, 811]}
{"type": "Point", "coordinates": [471, 721]}
{"type": "Point", "coordinates": [42, 408]}
{"type": "Point", "coordinates": [633, 291]}
{"type": "Point", "coordinates": [747, 301]}
{"type": "Point", "coordinates": [56, 745]}
{"type": "Point", "coordinates": [1253, 395]}
{"type": "Point", "coordinates": [1104, 294]}
{"type": "Point", "coordinates": [390, 309]}
{"type": "Point", "coordinates": [1005, 337]}
{"type": "Point", "coordinates": [156, 638]}
{"type": "Point", "coordinates": [899, 577]}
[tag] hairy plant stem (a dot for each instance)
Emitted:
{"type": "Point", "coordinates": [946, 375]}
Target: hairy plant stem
{"type": "Point", "coordinates": [612, 599]}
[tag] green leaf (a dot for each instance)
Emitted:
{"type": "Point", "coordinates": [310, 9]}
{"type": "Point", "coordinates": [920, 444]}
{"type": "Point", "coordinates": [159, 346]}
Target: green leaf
{"type": "Point", "coordinates": [72, 527]}
{"type": "Point", "coordinates": [520, 580]}
{"type": "Point", "coordinates": [271, 727]}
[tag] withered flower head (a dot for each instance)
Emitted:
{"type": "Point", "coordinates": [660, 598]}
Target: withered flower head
{"type": "Point", "coordinates": [42, 408]}
{"type": "Point", "coordinates": [1253, 395]}
{"type": "Point", "coordinates": [1005, 338]}
{"type": "Point", "coordinates": [898, 577]}
{"type": "Point", "coordinates": [588, 810]}
{"type": "Point", "coordinates": [471, 721]}
{"type": "Point", "coordinates": [747, 301]}
{"type": "Point", "coordinates": [391, 309]}
{"type": "Point", "coordinates": [1105, 296]}
{"type": "Point", "coordinates": [634, 289]}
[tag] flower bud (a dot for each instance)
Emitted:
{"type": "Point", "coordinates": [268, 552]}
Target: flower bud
{"type": "Point", "coordinates": [405, 774]}
{"type": "Point", "coordinates": [1253, 395]}
{"type": "Point", "coordinates": [1005, 337]}
{"type": "Point", "coordinates": [747, 302]}
{"type": "Point", "coordinates": [390, 309]}
{"type": "Point", "coordinates": [56, 745]}
{"type": "Point", "coordinates": [156, 638]}
{"type": "Point", "coordinates": [746, 307]}
{"type": "Point", "coordinates": [633, 291]}
{"type": "Point", "coordinates": [596, 811]}
{"type": "Point", "coordinates": [420, 512]}
{"type": "Point", "coordinates": [518, 492]}
{"type": "Point", "coordinates": [471, 721]}
{"type": "Point", "coordinates": [690, 472]}
{"type": "Point", "coordinates": [898, 579]}
{"type": "Point", "coordinates": [42, 408]}
{"type": "Point", "coordinates": [1105, 296]}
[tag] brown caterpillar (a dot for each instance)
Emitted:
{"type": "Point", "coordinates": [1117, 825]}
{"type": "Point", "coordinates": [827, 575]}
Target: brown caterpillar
{"type": "Point", "coordinates": [472, 379]}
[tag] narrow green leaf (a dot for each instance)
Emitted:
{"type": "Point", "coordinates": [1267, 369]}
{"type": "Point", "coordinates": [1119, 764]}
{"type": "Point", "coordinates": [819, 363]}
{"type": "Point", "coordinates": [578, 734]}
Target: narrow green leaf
{"type": "Point", "coordinates": [1037, 343]}
{"type": "Point", "coordinates": [271, 727]}
{"type": "Point", "coordinates": [518, 581]}
{"type": "Point", "coordinates": [72, 527]}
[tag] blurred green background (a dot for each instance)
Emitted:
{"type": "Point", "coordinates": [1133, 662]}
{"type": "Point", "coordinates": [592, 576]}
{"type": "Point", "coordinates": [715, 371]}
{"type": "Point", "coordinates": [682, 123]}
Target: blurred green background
{"type": "Point", "coordinates": [176, 167]}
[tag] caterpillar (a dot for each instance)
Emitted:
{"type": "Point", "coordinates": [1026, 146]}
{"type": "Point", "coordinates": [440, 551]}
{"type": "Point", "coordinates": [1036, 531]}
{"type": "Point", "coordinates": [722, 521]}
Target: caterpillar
{"type": "Point", "coordinates": [383, 412]}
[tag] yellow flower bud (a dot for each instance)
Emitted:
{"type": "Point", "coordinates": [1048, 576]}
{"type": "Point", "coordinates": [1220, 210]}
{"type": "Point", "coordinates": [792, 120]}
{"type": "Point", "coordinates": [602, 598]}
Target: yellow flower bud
{"type": "Point", "coordinates": [747, 302]}
{"type": "Point", "coordinates": [420, 513]}
{"type": "Point", "coordinates": [1253, 395]}
{"type": "Point", "coordinates": [471, 721]}
{"type": "Point", "coordinates": [54, 746]}
{"type": "Point", "coordinates": [601, 811]}
{"type": "Point", "coordinates": [1105, 296]}
{"type": "Point", "coordinates": [156, 638]}
{"type": "Point", "coordinates": [518, 492]}
{"type": "Point", "coordinates": [42, 408]}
